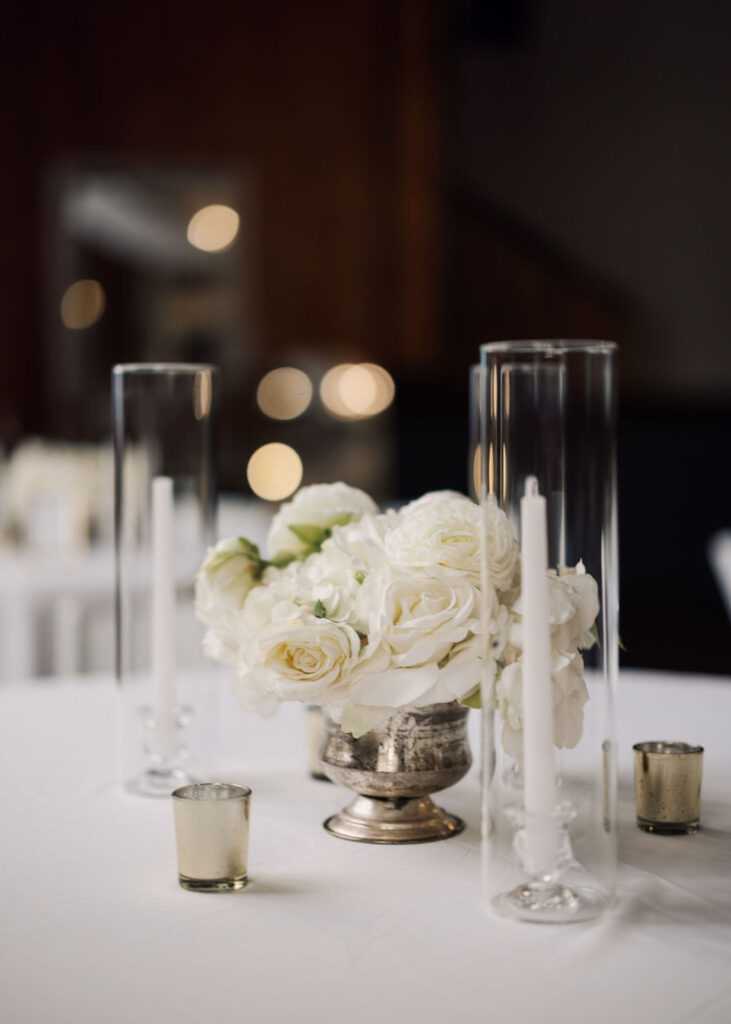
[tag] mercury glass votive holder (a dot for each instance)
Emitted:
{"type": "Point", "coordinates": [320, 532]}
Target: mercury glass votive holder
{"type": "Point", "coordinates": [212, 833]}
{"type": "Point", "coordinates": [668, 786]}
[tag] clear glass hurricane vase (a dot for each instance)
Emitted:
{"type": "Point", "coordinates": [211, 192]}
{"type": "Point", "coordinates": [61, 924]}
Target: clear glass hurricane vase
{"type": "Point", "coordinates": [549, 426]}
{"type": "Point", "coordinates": [165, 510]}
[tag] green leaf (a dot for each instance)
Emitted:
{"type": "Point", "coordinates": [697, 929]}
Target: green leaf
{"type": "Point", "coordinates": [474, 700]}
{"type": "Point", "coordinates": [319, 610]}
{"type": "Point", "coordinates": [313, 536]}
{"type": "Point", "coordinates": [595, 633]}
{"type": "Point", "coordinates": [282, 560]}
{"type": "Point", "coordinates": [249, 548]}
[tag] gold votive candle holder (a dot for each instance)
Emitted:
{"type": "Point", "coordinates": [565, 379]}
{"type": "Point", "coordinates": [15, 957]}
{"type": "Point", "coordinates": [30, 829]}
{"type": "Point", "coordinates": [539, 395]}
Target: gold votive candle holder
{"type": "Point", "coordinates": [668, 786]}
{"type": "Point", "coordinates": [212, 832]}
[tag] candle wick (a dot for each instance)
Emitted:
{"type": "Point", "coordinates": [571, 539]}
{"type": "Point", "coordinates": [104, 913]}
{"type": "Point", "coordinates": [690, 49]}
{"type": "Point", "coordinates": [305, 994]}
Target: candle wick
{"type": "Point", "coordinates": [531, 486]}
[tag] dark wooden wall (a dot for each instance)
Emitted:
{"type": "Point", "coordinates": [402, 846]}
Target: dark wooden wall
{"type": "Point", "coordinates": [330, 107]}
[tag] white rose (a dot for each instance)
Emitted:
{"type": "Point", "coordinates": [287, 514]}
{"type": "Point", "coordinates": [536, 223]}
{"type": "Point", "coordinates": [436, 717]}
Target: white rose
{"type": "Point", "coordinates": [458, 676]}
{"type": "Point", "coordinates": [502, 550]}
{"type": "Point", "coordinates": [440, 536]}
{"type": "Point", "coordinates": [253, 696]}
{"type": "Point", "coordinates": [321, 505]}
{"type": "Point", "coordinates": [417, 624]}
{"type": "Point", "coordinates": [420, 617]}
{"type": "Point", "coordinates": [359, 719]}
{"type": "Point", "coordinates": [303, 659]}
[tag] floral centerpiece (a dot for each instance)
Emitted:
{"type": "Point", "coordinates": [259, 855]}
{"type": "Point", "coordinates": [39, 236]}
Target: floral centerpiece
{"type": "Point", "coordinates": [368, 613]}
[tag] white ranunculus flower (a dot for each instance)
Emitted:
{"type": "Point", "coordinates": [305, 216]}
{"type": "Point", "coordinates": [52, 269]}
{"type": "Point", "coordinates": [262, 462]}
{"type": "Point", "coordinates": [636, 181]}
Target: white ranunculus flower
{"type": "Point", "coordinates": [429, 498]}
{"type": "Point", "coordinates": [441, 536]}
{"type": "Point", "coordinates": [569, 696]}
{"type": "Point", "coordinates": [364, 541]}
{"type": "Point", "coordinates": [276, 598]}
{"type": "Point", "coordinates": [503, 561]}
{"type": "Point", "coordinates": [321, 505]}
{"type": "Point", "coordinates": [303, 659]}
{"type": "Point", "coordinates": [328, 580]}
{"type": "Point", "coordinates": [334, 579]}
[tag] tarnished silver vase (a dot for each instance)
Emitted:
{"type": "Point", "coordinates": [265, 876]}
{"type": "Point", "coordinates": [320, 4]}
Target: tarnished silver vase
{"type": "Point", "coordinates": [393, 769]}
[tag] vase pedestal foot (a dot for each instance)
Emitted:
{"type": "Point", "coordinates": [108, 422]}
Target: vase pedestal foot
{"type": "Point", "coordinates": [370, 819]}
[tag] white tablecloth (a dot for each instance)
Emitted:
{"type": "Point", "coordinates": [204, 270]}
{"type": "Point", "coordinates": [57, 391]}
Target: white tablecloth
{"type": "Point", "coordinates": [94, 927]}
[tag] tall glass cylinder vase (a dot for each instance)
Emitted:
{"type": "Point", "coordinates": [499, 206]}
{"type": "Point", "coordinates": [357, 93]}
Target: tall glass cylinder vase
{"type": "Point", "coordinates": [165, 510]}
{"type": "Point", "coordinates": [549, 757]}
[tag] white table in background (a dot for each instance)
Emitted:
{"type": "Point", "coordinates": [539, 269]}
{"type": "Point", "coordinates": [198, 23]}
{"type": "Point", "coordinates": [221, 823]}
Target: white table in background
{"type": "Point", "coordinates": [94, 928]}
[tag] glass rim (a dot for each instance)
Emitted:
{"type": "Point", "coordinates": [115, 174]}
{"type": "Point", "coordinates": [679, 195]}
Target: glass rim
{"type": "Point", "coordinates": [198, 792]}
{"type": "Point", "coordinates": [160, 368]}
{"type": "Point", "coordinates": [556, 346]}
{"type": "Point", "coordinates": [667, 748]}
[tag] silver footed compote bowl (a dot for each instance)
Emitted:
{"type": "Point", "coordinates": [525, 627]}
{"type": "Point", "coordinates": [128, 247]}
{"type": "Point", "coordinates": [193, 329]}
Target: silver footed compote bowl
{"type": "Point", "coordinates": [393, 769]}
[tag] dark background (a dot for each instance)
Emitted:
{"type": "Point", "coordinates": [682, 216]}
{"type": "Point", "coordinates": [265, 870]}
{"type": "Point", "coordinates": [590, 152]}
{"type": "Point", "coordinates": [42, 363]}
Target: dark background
{"type": "Point", "coordinates": [425, 176]}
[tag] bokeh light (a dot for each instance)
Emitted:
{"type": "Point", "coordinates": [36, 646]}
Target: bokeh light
{"type": "Point", "coordinates": [385, 389]}
{"type": "Point", "coordinates": [82, 304]}
{"type": "Point", "coordinates": [274, 471]}
{"type": "Point", "coordinates": [357, 390]}
{"type": "Point", "coordinates": [213, 228]}
{"type": "Point", "coordinates": [284, 393]}
{"type": "Point", "coordinates": [354, 391]}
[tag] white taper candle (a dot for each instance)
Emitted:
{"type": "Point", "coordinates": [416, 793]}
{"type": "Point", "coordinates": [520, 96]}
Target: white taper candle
{"type": "Point", "coordinates": [539, 775]}
{"type": "Point", "coordinates": [163, 616]}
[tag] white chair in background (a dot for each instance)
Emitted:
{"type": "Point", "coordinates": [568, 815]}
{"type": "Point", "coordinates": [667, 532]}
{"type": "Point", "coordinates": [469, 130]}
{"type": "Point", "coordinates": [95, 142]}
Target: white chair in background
{"type": "Point", "coordinates": [57, 602]}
